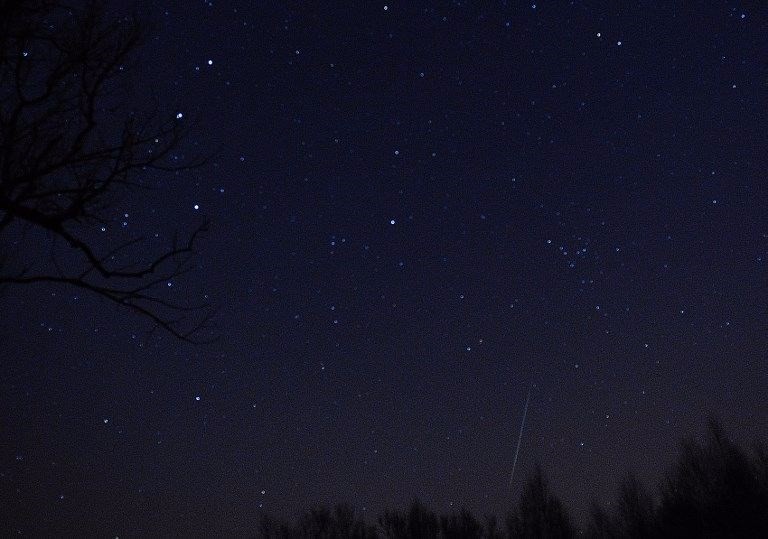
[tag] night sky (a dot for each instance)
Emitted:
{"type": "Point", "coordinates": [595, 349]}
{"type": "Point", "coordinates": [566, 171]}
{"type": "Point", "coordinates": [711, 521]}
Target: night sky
{"type": "Point", "coordinates": [417, 211]}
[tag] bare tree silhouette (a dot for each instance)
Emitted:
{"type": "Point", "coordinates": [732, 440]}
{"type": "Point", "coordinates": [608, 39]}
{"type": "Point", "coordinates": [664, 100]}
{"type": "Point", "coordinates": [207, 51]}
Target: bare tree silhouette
{"type": "Point", "coordinates": [714, 489]}
{"type": "Point", "coordinates": [70, 147]}
{"type": "Point", "coordinates": [634, 515]}
{"type": "Point", "coordinates": [418, 522]}
{"type": "Point", "coordinates": [322, 523]}
{"type": "Point", "coordinates": [539, 513]}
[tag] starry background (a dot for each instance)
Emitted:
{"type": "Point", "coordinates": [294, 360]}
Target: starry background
{"type": "Point", "coordinates": [418, 209]}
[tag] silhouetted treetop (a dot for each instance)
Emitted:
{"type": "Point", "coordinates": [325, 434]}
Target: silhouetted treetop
{"type": "Point", "coordinates": [539, 514]}
{"type": "Point", "coordinates": [715, 489]}
{"type": "Point", "coordinates": [71, 146]}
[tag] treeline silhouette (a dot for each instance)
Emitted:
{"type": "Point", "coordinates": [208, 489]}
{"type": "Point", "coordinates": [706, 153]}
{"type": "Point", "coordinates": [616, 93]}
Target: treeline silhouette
{"type": "Point", "coordinates": [714, 489]}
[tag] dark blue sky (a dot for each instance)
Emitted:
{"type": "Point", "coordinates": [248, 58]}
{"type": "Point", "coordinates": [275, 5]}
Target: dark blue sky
{"type": "Point", "coordinates": [416, 209]}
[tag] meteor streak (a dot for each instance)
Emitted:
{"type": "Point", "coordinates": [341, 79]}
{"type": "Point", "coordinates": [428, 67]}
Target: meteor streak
{"type": "Point", "coordinates": [520, 436]}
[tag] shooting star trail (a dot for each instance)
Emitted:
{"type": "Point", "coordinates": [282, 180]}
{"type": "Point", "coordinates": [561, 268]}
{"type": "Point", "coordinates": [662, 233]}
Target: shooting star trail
{"type": "Point", "coordinates": [520, 436]}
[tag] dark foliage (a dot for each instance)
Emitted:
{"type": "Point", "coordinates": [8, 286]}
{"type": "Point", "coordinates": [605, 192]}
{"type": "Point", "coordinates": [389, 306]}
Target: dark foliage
{"type": "Point", "coordinates": [418, 522]}
{"type": "Point", "coordinates": [634, 516]}
{"type": "Point", "coordinates": [539, 513]}
{"type": "Point", "coordinates": [72, 146]}
{"type": "Point", "coordinates": [715, 489]}
{"type": "Point", "coordinates": [341, 523]}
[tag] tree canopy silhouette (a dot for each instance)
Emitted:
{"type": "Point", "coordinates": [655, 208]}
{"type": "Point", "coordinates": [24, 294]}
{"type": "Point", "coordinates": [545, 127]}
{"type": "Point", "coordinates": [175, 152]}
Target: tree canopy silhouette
{"type": "Point", "coordinates": [714, 489]}
{"type": "Point", "coordinates": [540, 513]}
{"type": "Point", "coordinates": [71, 147]}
